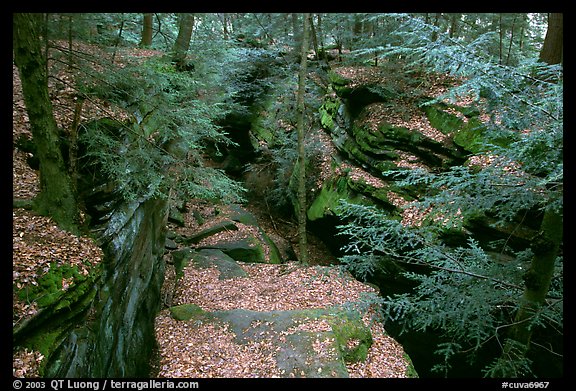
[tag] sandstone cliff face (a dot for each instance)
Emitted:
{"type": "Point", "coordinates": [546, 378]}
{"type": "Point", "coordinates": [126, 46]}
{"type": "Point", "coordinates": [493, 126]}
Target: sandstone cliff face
{"type": "Point", "coordinates": [117, 340]}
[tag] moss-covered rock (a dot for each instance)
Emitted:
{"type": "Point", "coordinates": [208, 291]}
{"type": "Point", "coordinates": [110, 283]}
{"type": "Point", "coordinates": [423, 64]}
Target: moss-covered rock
{"type": "Point", "coordinates": [176, 217]}
{"type": "Point", "coordinates": [353, 337]}
{"type": "Point", "coordinates": [347, 341]}
{"type": "Point", "coordinates": [329, 110]}
{"type": "Point", "coordinates": [60, 310]}
{"type": "Point", "coordinates": [241, 215]}
{"type": "Point", "coordinates": [339, 83]}
{"type": "Point", "coordinates": [476, 137]}
{"type": "Point", "coordinates": [442, 120]}
{"type": "Point", "coordinates": [225, 264]}
{"type": "Point", "coordinates": [411, 372]}
{"type": "Point", "coordinates": [248, 249]}
{"type": "Point", "coordinates": [180, 258]}
{"type": "Point", "coordinates": [114, 336]}
{"type": "Point", "coordinates": [187, 312]}
{"type": "Point", "coordinates": [49, 289]}
{"type": "Point", "coordinates": [327, 201]}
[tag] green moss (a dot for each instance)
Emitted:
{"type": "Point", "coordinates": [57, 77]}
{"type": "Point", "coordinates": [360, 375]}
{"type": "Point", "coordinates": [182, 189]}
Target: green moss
{"type": "Point", "coordinates": [181, 257]}
{"type": "Point", "coordinates": [49, 288]}
{"type": "Point", "coordinates": [399, 134]}
{"type": "Point", "coordinates": [328, 200]}
{"type": "Point", "coordinates": [328, 111]}
{"type": "Point", "coordinates": [45, 332]}
{"type": "Point", "coordinates": [475, 137]}
{"type": "Point", "coordinates": [353, 337]}
{"type": "Point", "coordinates": [410, 371]}
{"type": "Point", "coordinates": [81, 292]}
{"type": "Point", "coordinates": [187, 312]}
{"type": "Point", "coordinates": [273, 252]}
{"type": "Point", "coordinates": [471, 137]}
{"type": "Point", "coordinates": [442, 120]}
{"type": "Point", "coordinates": [44, 342]}
{"type": "Point", "coordinates": [337, 80]}
{"type": "Point", "coordinates": [261, 131]}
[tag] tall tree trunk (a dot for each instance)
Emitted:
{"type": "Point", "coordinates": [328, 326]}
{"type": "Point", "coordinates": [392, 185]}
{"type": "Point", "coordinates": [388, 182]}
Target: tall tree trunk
{"type": "Point", "coordinates": [552, 50]}
{"type": "Point", "coordinates": [501, 38]}
{"type": "Point", "coordinates": [454, 18]}
{"type": "Point", "coordinates": [521, 35]}
{"type": "Point", "coordinates": [182, 44]}
{"type": "Point", "coordinates": [146, 30]}
{"type": "Point", "coordinates": [437, 26]}
{"type": "Point", "coordinates": [118, 39]}
{"type": "Point", "coordinates": [511, 40]}
{"type": "Point", "coordinates": [319, 32]}
{"type": "Point", "coordinates": [302, 238]}
{"type": "Point", "coordinates": [314, 38]}
{"type": "Point", "coordinates": [225, 25]}
{"type": "Point", "coordinates": [537, 282]}
{"type": "Point", "coordinates": [56, 198]}
{"type": "Point", "coordinates": [70, 42]}
{"type": "Point", "coordinates": [296, 35]}
{"type": "Point", "coordinates": [357, 29]}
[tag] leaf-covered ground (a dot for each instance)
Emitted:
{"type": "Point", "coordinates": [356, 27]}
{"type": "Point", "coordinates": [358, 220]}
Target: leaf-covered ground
{"type": "Point", "coordinates": [206, 350]}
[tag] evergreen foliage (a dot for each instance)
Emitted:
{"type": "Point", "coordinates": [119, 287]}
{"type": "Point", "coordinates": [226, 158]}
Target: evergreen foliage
{"type": "Point", "coordinates": [470, 293]}
{"type": "Point", "coordinates": [464, 292]}
{"type": "Point", "coordinates": [173, 118]}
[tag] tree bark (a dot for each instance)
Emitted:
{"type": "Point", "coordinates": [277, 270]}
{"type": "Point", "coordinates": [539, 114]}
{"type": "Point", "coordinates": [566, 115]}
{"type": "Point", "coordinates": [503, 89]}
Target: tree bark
{"type": "Point", "coordinates": [537, 283]}
{"type": "Point", "coordinates": [501, 38]}
{"type": "Point", "coordinates": [182, 44]}
{"type": "Point", "coordinates": [225, 25]}
{"type": "Point", "coordinates": [56, 198]}
{"type": "Point", "coordinates": [511, 40]}
{"type": "Point", "coordinates": [552, 50]}
{"type": "Point", "coordinates": [314, 38]}
{"type": "Point", "coordinates": [118, 38]}
{"type": "Point", "coordinates": [146, 30]}
{"type": "Point", "coordinates": [296, 35]}
{"type": "Point", "coordinates": [454, 18]}
{"type": "Point", "coordinates": [302, 238]}
{"type": "Point", "coordinates": [319, 32]}
{"type": "Point", "coordinates": [436, 25]}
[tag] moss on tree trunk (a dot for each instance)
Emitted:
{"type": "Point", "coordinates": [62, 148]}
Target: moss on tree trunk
{"type": "Point", "coordinates": [302, 240]}
{"type": "Point", "coordinates": [537, 283]}
{"type": "Point", "coordinates": [56, 197]}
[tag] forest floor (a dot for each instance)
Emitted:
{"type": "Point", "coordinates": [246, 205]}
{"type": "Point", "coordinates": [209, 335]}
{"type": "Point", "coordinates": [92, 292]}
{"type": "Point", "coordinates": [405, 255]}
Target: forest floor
{"type": "Point", "coordinates": [215, 351]}
{"type": "Point", "coordinates": [38, 242]}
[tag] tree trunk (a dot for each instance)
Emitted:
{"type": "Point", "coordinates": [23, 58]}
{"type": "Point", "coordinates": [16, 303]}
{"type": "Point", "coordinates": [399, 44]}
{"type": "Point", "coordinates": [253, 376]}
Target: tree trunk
{"type": "Point", "coordinates": [56, 197]}
{"type": "Point", "coordinates": [437, 26]}
{"type": "Point", "coordinates": [319, 31]}
{"type": "Point", "coordinates": [182, 44]}
{"type": "Point", "coordinates": [357, 29]}
{"type": "Point", "coordinates": [501, 38]}
{"type": "Point", "coordinates": [225, 25]}
{"type": "Point", "coordinates": [118, 39]}
{"type": "Point", "coordinates": [511, 40]}
{"type": "Point", "coordinates": [314, 38]}
{"type": "Point", "coordinates": [146, 30]}
{"type": "Point", "coordinates": [454, 18]}
{"type": "Point", "coordinates": [302, 239]}
{"type": "Point", "coordinates": [296, 35]}
{"type": "Point", "coordinates": [70, 43]}
{"type": "Point", "coordinates": [552, 52]}
{"type": "Point", "coordinates": [537, 282]}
